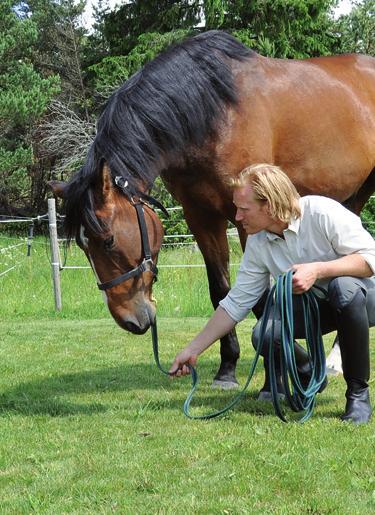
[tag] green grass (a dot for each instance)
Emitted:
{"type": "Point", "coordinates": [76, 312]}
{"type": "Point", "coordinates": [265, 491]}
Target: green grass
{"type": "Point", "coordinates": [28, 289]}
{"type": "Point", "coordinates": [89, 425]}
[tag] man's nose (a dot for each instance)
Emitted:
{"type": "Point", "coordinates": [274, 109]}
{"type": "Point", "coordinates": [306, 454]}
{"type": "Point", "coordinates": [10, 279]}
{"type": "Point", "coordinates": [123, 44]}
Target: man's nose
{"type": "Point", "coordinates": [238, 215]}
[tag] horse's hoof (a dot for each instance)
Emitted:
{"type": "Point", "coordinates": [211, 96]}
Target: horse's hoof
{"type": "Point", "coordinates": [224, 385]}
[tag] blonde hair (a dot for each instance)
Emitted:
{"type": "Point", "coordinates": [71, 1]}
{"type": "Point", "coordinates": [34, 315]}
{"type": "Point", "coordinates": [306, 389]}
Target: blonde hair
{"type": "Point", "coordinates": [272, 185]}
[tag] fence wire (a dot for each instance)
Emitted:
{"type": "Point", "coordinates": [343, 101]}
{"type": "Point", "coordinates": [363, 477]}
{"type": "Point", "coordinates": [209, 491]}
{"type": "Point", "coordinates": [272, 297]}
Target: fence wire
{"type": "Point", "coordinates": [169, 240]}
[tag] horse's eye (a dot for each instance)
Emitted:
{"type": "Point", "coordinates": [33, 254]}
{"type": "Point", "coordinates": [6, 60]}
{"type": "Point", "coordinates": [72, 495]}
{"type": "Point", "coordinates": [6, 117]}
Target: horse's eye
{"type": "Point", "coordinates": [108, 243]}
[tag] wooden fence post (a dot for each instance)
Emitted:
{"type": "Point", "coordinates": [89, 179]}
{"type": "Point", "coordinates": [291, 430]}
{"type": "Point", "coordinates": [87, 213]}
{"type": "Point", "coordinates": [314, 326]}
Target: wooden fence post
{"type": "Point", "coordinates": [55, 255]}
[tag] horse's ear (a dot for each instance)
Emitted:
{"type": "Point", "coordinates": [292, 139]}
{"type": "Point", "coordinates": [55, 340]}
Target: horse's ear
{"type": "Point", "coordinates": [104, 186]}
{"type": "Point", "coordinates": [58, 188]}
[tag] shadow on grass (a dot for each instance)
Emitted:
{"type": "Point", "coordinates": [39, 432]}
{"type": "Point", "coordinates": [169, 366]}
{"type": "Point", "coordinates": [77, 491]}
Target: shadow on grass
{"type": "Point", "coordinates": [50, 395]}
{"type": "Point", "coordinates": [46, 395]}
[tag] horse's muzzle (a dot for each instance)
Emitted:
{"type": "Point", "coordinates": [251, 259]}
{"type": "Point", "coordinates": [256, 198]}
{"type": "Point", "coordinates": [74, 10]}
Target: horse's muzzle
{"type": "Point", "coordinates": [137, 322]}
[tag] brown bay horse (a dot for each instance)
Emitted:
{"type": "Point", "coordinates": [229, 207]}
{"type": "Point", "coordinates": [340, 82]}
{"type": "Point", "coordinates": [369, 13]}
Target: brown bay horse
{"type": "Point", "coordinates": [196, 115]}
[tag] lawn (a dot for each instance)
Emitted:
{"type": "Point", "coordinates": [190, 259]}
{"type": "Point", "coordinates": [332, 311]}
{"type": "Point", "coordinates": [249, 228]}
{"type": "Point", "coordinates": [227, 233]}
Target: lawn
{"type": "Point", "coordinates": [89, 425]}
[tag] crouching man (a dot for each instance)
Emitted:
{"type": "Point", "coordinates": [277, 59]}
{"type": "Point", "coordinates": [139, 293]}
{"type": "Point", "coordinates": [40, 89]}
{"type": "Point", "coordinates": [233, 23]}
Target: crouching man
{"type": "Point", "coordinates": [325, 245]}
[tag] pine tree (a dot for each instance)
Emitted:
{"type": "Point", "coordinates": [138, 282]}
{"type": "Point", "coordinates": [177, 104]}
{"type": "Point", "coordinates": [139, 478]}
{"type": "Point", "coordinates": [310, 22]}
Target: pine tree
{"type": "Point", "coordinates": [24, 97]}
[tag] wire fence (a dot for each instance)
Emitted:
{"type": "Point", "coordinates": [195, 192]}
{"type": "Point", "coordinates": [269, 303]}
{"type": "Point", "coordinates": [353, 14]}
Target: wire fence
{"type": "Point", "coordinates": [11, 252]}
{"type": "Point", "coordinates": [170, 241]}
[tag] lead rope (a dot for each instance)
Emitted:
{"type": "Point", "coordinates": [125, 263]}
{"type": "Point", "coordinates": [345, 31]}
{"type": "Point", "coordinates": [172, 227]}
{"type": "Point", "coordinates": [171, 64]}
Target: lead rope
{"type": "Point", "coordinates": [299, 399]}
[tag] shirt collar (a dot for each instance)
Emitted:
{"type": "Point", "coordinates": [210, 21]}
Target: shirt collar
{"type": "Point", "coordinates": [293, 226]}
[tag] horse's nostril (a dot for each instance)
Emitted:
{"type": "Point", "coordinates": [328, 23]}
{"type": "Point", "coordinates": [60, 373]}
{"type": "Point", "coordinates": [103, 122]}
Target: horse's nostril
{"type": "Point", "coordinates": [133, 328]}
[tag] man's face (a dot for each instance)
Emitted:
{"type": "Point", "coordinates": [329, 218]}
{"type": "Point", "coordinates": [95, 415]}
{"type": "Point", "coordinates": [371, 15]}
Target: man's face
{"type": "Point", "coordinates": [253, 214]}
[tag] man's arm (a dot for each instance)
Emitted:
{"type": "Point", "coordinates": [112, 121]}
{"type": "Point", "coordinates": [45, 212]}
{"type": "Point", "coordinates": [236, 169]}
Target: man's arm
{"type": "Point", "coordinates": [218, 325]}
{"type": "Point", "coordinates": [306, 274]}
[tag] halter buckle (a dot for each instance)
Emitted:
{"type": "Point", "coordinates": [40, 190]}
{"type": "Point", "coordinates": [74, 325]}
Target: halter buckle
{"type": "Point", "coordinates": [148, 265]}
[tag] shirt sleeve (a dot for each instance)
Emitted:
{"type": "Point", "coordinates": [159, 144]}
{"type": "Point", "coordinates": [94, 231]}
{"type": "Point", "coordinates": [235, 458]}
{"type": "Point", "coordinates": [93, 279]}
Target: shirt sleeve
{"type": "Point", "coordinates": [251, 282]}
{"type": "Point", "coordinates": [347, 235]}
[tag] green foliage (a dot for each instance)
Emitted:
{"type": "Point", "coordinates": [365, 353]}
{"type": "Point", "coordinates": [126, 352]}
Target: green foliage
{"type": "Point", "coordinates": [109, 73]}
{"type": "Point", "coordinates": [14, 180]}
{"type": "Point", "coordinates": [283, 28]}
{"type": "Point", "coordinates": [280, 28]}
{"type": "Point", "coordinates": [16, 38]}
{"type": "Point", "coordinates": [122, 27]}
{"type": "Point", "coordinates": [357, 29]}
{"type": "Point", "coordinates": [368, 216]}
{"type": "Point", "coordinates": [60, 47]}
{"type": "Point", "coordinates": [24, 97]}
{"type": "Point", "coordinates": [112, 71]}
{"type": "Point", "coordinates": [214, 13]}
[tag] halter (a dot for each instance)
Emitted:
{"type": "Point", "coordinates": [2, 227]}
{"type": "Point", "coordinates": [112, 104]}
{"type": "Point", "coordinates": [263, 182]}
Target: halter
{"type": "Point", "coordinates": [147, 264]}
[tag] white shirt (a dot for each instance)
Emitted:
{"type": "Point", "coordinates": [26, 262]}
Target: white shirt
{"type": "Point", "coordinates": [325, 231]}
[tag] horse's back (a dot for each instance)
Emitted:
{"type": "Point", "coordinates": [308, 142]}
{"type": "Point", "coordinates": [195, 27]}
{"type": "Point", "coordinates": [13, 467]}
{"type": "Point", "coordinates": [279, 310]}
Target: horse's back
{"type": "Point", "coordinates": [354, 71]}
{"type": "Point", "coordinates": [313, 117]}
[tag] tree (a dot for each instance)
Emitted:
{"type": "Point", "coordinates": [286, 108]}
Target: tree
{"type": "Point", "coordinates": [112, 71]}
{"type": "Point", "coordinates": [368, 216]}
{"type": "Point", "coordinates": [122, 27]}
{"type": "Point", "coordinates": [277, 28]}
{"type": "Point", "coordinates": [24, 97]}
{"type": "Point", "coordinates": [59, 47]}
{"type": "Point", "coordinates": [280, 28]}
{"type": "Point", "coordinates": [62, 136]}
{"type": "Point", "coordinates": [357, 29]}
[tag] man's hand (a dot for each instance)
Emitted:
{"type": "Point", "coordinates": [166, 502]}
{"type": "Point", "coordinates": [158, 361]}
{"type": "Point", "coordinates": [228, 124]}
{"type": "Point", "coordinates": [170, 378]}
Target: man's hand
{"type": "Point", "coordinates": [304, 276]}
{"type": "Point", "coordinates": [182, 360]}
{"type": "Point", "coordinates": [218, 325]}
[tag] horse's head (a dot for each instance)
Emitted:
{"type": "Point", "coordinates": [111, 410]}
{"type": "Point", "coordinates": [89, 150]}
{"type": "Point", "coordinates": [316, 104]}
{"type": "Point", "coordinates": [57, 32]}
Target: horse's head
{"type": "Point", "coordinates": [122, 248]}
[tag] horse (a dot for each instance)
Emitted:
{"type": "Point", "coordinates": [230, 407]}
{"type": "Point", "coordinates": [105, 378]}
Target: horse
{"type": "Point", "coordinates": [196, 115]}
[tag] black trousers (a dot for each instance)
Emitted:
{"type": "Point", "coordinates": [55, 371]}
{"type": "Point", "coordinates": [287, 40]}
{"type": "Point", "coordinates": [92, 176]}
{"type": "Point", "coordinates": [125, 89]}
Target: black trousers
{"type": "Point", "coordinates": [348, 308]}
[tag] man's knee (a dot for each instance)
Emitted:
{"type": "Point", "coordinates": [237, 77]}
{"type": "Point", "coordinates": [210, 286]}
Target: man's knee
{"type": "Point", "coordinates": [345, 291]}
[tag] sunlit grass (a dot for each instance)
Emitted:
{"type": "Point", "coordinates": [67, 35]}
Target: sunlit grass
{"type": "Point", "coordinates": [89, 425]}
{"type": "Point", "coordinates": [28, 288]}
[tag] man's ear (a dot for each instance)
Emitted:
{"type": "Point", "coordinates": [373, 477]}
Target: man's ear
{"type": "Point", "coordinates": [58, 188]}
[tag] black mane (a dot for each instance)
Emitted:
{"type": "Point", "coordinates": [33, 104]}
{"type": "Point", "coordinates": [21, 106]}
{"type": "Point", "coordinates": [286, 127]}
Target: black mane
{"type": "Point", "coordinates": [172, 102]}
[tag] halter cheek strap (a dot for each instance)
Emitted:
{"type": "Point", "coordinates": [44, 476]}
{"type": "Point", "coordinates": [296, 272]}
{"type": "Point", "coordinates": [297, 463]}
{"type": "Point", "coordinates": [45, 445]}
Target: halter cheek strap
{"type": "Point", "coordinates": [147, 264]}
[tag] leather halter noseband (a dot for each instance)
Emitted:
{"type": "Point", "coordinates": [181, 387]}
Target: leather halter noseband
{"type": "Point", "coordinates": [147, 264]}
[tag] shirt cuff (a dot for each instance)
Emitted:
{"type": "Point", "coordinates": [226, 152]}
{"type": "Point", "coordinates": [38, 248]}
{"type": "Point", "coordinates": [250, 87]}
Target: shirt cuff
{"type": "Point", "coordinates": [232, 309]}
{"type": "Point", "coordinates": [370, 260]}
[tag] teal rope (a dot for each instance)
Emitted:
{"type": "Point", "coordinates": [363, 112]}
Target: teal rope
{"type": "Point", "coordinates": [299, 399]}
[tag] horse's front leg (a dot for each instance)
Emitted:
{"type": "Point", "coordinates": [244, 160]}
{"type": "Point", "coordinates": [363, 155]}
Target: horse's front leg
{"type": "Point", "coordinates": [210, 234]}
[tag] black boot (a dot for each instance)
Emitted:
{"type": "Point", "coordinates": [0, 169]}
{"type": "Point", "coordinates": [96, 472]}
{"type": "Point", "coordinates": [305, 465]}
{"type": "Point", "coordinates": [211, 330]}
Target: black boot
{"type": "Point", "coordinates": [304, 367]}
{"type": "Point", "coordinates": [265, 392]}
{"type": "Point", "coordinates": [353, 331]}
{"type": "Point", "coordinates": [358, 408]}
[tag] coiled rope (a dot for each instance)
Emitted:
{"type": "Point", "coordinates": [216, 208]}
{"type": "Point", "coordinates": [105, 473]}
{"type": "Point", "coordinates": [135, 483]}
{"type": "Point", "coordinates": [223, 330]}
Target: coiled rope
{"type": "Point", "coordinates": [300, 399]}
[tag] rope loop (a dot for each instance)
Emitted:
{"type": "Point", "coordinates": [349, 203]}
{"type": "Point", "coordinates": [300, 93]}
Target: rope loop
{"type": "Point", "coordinates": [300, 399]}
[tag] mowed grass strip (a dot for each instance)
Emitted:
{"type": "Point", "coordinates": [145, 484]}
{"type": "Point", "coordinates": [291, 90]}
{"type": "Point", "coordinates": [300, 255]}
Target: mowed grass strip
{"type": "Point", "coordinates": [89, 425]}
